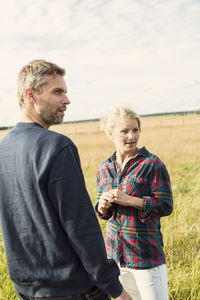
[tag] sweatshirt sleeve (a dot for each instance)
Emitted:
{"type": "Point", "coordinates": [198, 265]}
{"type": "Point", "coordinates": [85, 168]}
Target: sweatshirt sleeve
{"type": "Point", "coordinates": [79, 221]}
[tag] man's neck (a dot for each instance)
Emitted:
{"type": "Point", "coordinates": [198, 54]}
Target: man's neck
{"type": "Point", "coordinates": [29, 115]}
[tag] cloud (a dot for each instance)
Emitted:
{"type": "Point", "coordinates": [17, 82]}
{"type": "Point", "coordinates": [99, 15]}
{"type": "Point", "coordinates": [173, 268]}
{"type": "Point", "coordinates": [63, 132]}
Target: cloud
{"type": "Point", "coordinates": [140, 52]}
{"type": "Point", "coordinates": [41, 18]}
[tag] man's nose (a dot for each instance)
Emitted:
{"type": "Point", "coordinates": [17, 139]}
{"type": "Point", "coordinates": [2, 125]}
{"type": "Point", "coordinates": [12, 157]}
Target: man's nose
{"type": "Point", "coordinates": [66, 100]}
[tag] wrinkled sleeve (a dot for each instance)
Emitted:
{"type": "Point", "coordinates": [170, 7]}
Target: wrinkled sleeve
{"type": "Point", "coordinates": [159, 202]}
{"type": "Point", "coordinates": [99, 192]}
{"type": "Point", "coordinates": [79, 221]}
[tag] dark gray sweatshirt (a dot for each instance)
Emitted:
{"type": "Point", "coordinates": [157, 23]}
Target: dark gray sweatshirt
{"type": "Point", "coordinates": [54, 245]}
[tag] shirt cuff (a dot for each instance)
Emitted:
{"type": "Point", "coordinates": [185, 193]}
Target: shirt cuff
{"type": "Point", "coordinates": [145, 213]}
{"type": "Point", "coordinates": [103, 217]}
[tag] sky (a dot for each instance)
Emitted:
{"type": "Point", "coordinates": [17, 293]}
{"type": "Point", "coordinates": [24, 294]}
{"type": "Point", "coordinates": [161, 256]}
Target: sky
{"type": "Point", "coordinates": [140, 53]}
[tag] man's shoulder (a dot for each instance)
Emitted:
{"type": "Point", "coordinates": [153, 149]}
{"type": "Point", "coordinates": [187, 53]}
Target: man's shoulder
{"type": "Point", "coordinates": [35, 138]}
{"type": "Point", "coordinates": [58, 138]}
{"type": "Point", "coordinates": [53, 143]}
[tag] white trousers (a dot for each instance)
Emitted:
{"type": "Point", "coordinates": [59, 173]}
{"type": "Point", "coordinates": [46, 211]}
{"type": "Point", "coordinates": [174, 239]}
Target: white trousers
{"type": "Point", "coordinates": [148, 284]}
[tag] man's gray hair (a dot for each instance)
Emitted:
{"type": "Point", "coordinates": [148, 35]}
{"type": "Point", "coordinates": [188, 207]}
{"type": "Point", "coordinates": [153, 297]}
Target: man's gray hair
{"type": "Point", "coordinates": [33, 76]}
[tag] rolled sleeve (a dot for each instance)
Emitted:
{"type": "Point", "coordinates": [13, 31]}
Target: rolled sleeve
{"type": "Point", "coordinates": [101, 216]}
{"type": "Point", "coordinates": [99, 192]}
{"type": "Point", "coordinates": [159, 203]}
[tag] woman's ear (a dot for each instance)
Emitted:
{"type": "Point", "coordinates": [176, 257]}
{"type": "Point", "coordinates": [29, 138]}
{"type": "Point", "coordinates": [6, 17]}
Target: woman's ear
{"type": "Point", "coordinates": [110, 134]}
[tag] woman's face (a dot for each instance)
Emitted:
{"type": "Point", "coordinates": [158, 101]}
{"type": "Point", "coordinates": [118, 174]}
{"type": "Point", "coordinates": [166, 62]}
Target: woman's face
{"type": "Point", "coordinates": [125, 136]}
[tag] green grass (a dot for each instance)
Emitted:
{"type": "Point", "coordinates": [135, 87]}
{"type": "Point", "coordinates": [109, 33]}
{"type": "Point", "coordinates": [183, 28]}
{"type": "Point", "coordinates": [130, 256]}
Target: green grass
{"type": "Point", "coordinates": [181, 234]}
{"type": "Point", "coordinates": [181, 230]}
{"type": "Point", "coordinates": [6, 289]}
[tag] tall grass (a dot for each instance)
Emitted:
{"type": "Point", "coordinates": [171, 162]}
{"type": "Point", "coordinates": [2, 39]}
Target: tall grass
{"type": "Point", "coordinates": [176, 140]}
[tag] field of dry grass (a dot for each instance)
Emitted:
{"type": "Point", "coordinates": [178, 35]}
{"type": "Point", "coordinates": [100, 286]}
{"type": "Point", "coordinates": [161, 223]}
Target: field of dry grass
{"type": "Point", "coordinates": [176, 140]}
{"type": "Point", "coordinates": [173, 138]}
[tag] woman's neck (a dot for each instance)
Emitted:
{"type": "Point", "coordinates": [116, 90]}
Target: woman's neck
{"type": "Point", "coordinates": [123, 158]}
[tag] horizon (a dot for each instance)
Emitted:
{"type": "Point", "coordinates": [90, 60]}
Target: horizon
{"type": "Point", "coordinates": [2, 127]}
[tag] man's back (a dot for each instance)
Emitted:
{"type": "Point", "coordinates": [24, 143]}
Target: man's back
{"type": "Point", "coordinates": [44, 215]}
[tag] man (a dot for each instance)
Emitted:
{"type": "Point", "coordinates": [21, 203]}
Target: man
{"type": "Point", "coordinates": [54, 246]}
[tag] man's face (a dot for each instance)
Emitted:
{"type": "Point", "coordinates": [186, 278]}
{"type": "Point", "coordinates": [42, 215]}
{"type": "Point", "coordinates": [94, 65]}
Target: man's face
{"type": "Point", "coordinates": [51, 103]}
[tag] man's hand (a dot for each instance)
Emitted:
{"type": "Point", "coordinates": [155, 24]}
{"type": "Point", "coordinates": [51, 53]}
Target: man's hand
{"type": "Point", "coordinates": [124, 296]}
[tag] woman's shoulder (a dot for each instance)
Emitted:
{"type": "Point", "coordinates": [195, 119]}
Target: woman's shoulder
{"type": "Point", "coordinates": [151, 157]}
{"type": "Point", "coordinates": [108, 162]}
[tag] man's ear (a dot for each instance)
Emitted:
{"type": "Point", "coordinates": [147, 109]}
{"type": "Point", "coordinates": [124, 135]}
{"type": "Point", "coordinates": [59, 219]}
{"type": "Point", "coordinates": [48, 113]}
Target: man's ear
{"type": "Point", "coordinates": [29, 95]}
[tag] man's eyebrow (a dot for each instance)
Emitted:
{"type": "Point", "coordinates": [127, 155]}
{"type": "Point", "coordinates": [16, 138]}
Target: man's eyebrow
{"type": "Point", "coordinates": [59, 90]}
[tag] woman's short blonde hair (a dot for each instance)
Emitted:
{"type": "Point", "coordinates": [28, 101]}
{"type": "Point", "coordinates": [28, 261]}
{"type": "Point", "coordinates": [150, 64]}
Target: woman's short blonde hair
{"type": "Point", "coordinates": [33, 76]}
{"type": "Point", "coordinates": [110, 120]}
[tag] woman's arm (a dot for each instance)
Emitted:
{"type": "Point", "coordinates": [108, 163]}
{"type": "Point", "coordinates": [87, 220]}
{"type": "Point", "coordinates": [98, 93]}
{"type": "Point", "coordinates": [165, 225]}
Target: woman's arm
{"type": "Point", "coordinates": [123, 199]}
{"type": "Point", "coordinates": [157, 203]}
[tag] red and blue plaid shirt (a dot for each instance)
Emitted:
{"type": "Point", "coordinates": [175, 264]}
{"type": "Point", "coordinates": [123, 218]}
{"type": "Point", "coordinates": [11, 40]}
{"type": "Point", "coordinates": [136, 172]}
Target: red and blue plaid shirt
{"type": "Point", "coordinates": [133, 237]}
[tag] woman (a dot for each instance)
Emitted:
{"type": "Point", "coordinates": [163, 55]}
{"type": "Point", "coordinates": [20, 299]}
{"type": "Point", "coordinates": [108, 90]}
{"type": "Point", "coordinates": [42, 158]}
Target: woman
{"type": "Point", "coordinates": [134, 192]}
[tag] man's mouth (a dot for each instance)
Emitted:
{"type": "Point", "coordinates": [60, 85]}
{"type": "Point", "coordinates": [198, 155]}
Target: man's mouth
{"type": "Point", "coordinates": [62, 110]}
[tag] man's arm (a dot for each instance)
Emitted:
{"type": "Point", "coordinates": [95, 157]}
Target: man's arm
{"type": "Point", "coordinates": [79, 221]}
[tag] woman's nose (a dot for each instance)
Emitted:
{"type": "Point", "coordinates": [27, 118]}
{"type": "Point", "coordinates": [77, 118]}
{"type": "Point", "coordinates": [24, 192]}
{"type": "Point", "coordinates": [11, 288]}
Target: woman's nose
{"type": "Point", "coordinates": [130, 135]}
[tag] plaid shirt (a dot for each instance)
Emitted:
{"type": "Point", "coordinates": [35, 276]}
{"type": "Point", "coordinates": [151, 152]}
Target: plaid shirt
{"type": "Point", "coordinates": [133, 237]}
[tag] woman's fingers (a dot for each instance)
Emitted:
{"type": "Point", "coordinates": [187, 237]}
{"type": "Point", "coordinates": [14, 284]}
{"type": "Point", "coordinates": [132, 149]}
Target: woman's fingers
{"type": "Point", "coordinates": [107, 196]}
{"type": "Point", "coordinates": [106, 200]}
{"type": "Point", "coordinates": [106, 204]}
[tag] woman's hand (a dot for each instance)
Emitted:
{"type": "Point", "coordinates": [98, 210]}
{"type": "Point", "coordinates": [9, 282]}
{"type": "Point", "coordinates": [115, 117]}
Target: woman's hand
{"type": "Point", "coordinates": [123, 199]}
{"type": "Point", "coordinates": [120, 197]}
{"type": "Point", "coordinates": [117, 196]}
{"type": "Point", "coordinates": [105, 202]}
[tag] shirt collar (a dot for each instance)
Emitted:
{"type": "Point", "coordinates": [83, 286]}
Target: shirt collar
{"type": "Point", "coordinates": [142, 151]}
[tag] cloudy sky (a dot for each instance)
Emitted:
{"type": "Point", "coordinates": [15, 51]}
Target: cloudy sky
{"type": "Point", "coordinates": [143, 53]}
